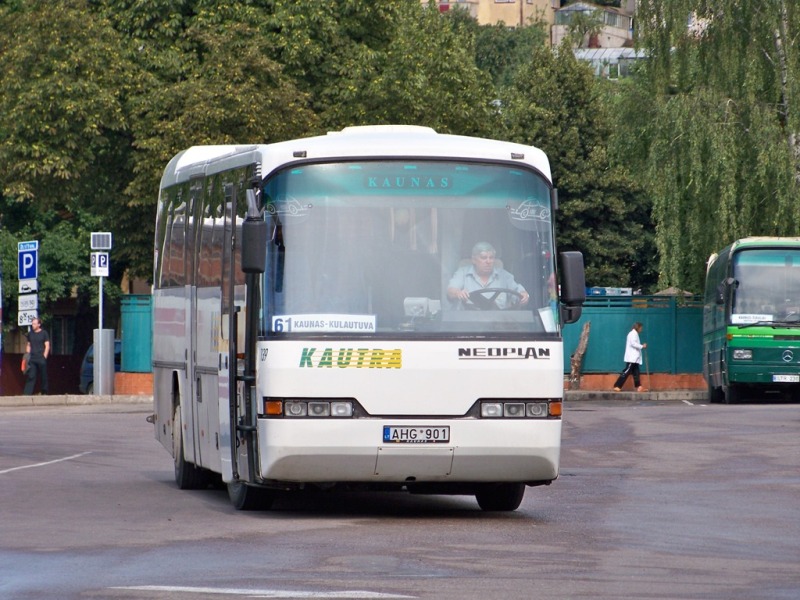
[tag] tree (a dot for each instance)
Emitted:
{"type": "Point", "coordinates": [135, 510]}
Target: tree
{"type": "Point", "coordinates": [398, 61]}
{"type": "Point", "coordinates": [230, 93]}
{"type": "Point", "coordinates": [583, 26]}
{"type": "Point", "coordinates": [714, 123]}
{"type": "Point", "coordinates": [63, 138]}
{"type": "Point", "coordinates": [61, 110]}
{"type": "Point", "coordinates": [426, 75]}
{"type": "Point", "coordinates": [501, 50]}
{"type": "Point", "coordinates": [206, 78]}
{"type": "Point", "coordinates": [559, 105]}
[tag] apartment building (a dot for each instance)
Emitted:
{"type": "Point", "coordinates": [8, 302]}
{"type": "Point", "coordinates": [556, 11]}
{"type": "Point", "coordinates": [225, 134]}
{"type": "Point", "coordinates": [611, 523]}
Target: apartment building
{"type": "Point", "coordinates": [511, 12]}
{"type": "Point", "coordinates": [616, 22]}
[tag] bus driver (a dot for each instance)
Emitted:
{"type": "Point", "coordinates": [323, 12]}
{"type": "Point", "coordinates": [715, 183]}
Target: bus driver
{"type": "Point", "coordinates": [483, 274]}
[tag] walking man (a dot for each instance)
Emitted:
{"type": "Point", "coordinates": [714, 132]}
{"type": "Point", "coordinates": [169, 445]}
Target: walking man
{"type": "Point", "coordinates": [38, 348]}
{"type": "Point", "coordinates": [633, 358]}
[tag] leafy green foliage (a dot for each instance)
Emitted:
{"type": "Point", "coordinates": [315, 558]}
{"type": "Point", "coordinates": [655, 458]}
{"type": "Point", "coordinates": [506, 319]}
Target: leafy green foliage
{"type": "Point", "coordinates": [366, 62]}
{"type": "Point", "coordinates": [712, 126]}
{"type": "Point", "coordinates": [558, 105]}
{"type": "Point", "coordinates": [62, 105]}
{"type": "Point", "coordinates": [583, 25]}
{"type": "Point", "coordinates": [64, 140]}
{"type": "Point", "coordinates": [230, 93]}
{"type": "Point", "coordinates": [502, 50]}
{"type": "Point", "coordinates": [91, 112]}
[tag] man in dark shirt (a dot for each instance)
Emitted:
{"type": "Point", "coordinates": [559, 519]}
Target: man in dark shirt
{"type": "Point", "coordinates": [38, 348]}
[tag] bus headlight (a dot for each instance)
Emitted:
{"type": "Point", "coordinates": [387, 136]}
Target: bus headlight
{"type": "Point", "coordinates": [514, 409]}
{"type": "Point", "coordinates": [306, 407]}
{"type": "Point", "coordinates": [491, 409]}
{"type": "Point", "coordinates": [517, 409]}
{"type": "Point", "coordinates": [536, 409]}
{"type": "Point", "coordinates": [742, 354]}
{"type": "Point", "coordinates": [295, 409]}
{"type": "Point", "coordinates": [319, 409]}
{"type": "Point", "coordinates": [342, 409]}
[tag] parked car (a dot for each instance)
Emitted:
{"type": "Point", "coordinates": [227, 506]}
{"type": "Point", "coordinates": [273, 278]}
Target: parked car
{"type": "Point", "coordinates": [86, 385]}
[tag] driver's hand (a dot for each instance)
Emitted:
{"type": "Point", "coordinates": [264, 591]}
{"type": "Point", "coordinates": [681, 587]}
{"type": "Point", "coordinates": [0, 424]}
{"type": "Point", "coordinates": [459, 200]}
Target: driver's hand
{"type": "Point", "coordinates": [463, 295]}
{"type": "Point", "coordinates": [524, 299]}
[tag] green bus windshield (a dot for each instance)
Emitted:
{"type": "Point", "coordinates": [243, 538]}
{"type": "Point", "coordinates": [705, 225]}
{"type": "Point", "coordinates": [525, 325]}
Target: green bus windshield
{"type": "Point", "coordinates": [767, 285]}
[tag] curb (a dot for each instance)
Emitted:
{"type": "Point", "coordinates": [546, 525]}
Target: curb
{"type": "Point", "coordinates": [71, 400]}
{"type": "Point", "coordinates": [694, 396]}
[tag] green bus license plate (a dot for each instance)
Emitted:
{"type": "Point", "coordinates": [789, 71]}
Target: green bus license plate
{"type": "Point", "coordinates": [393, 434]}
{"type": "Point", "coordinates": [786, 378]}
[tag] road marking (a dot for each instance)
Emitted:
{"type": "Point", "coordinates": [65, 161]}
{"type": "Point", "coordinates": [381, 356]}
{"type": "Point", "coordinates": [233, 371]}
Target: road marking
{"type": "Point", "coordinates": [49, 462]}
{"type": "Point", "coordinates": [687, 402]}
{"type": "Point", "coordinates": [260, 593]}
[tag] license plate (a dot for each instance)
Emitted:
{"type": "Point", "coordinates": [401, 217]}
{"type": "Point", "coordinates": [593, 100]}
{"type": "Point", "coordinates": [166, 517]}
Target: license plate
{"type": "Point", "coordinates": [393, 434]}
{"type": "Point", "coordinates": [786, 378]}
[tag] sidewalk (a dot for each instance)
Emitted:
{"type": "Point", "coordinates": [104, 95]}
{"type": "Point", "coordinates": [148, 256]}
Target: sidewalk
{"type": "Point", "coordinates": [693, 396]}
{"type": "Point", "coordinates": [71, 400]}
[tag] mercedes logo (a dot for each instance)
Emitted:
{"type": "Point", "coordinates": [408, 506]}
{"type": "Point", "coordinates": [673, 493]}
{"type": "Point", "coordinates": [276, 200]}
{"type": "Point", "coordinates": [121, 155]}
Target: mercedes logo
{"type": "Point", "coordinates": [788, 356]}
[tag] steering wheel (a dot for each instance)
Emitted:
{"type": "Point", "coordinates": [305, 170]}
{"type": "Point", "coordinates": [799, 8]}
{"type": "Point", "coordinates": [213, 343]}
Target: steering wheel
{"type": "Point", "coordinates": [486, 299]}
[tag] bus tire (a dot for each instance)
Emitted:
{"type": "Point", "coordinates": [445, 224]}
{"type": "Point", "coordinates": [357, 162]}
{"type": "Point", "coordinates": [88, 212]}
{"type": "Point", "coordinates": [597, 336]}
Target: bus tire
{"type": "Point", "coordinates": [715, 394]}
{"type": "Point", "coordinates": [187, 475]}
{"type": "Point", "coordinates": [247, 497]}
{"type": "Point", "coordinates": [733, 394]}
{"type": "Point", "coordinates": [500, 496]}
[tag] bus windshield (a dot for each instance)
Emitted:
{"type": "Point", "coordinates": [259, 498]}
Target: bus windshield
{"type": "Point", "coordinates": [767, 286]}
{"type": "Point", "coordinates": [378, 247]}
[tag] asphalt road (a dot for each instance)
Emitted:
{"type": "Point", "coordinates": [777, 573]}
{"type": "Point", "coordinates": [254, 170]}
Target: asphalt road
{"type": "Point", "coordinates": [655, 500]}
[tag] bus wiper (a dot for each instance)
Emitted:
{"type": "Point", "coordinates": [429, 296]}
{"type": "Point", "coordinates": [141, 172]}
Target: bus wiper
{"type": "Point", "coordinates": [788, 322]}
{"type": "Point", "coordinates": [759, 324]}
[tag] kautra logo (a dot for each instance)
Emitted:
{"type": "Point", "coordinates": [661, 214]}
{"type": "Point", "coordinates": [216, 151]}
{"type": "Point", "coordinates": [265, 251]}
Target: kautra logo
{"type": "Point", "coordinates": [504, 353]}
{"type": "Point", "coordinates": [354, 358]}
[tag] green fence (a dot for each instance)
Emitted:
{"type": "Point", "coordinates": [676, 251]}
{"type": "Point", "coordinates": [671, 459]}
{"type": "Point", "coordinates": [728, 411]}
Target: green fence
{"type": "Point", "coordinates": [137, 333]}
{"type": "Point", "coordinates": [673, 331]}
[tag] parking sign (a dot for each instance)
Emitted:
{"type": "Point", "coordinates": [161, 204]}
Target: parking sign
{"type": "Point", "coordinates": [99, 264]}
{"type": "Point", "coordinates": [28, 260]}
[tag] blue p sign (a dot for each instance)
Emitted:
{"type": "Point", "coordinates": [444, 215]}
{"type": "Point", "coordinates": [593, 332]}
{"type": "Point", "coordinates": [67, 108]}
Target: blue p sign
{"type": "Point", "coordinates": [28, 259]}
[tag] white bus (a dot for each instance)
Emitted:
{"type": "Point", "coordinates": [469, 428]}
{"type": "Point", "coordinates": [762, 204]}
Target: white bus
{"type": "Point", "coordinates": [313, 326]}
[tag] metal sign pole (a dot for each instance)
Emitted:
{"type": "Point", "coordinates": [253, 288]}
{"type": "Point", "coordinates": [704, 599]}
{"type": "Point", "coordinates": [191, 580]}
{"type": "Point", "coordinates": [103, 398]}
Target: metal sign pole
{"type": "Point", "coordinates": [99, 350]}
{"type": "Point", "coordinates": [103, 340]}
{"type": "Point", "coordinates": [100, 304]}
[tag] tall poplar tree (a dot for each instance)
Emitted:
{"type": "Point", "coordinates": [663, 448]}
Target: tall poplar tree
{"type": "Point", "coordinates": [713, 126]}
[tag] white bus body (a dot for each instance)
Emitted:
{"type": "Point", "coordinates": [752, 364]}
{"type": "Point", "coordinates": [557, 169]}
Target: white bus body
{"type": "Point", "coordinates": [324, 349]}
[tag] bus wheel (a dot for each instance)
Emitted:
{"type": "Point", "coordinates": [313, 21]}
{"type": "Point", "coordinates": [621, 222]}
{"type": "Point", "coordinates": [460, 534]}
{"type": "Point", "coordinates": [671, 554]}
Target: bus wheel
{"type": "Point", "coordinates": [187, 476]}
{"type": "Point", "coordinates": [500, 496]}
{"type": "Point", "coordinates": [714, 394]}
{"type": "Point", "coordinates": [733, 394]}
{"type": "Point", "coordinates": [247, 497]}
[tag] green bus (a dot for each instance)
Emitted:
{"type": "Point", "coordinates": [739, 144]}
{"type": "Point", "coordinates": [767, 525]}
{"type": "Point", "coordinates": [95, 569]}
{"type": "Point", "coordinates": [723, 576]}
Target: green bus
{"type": "Point", "coordinates": [751, 320]}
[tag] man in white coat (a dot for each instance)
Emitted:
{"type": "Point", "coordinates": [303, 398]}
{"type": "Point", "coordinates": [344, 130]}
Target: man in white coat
{"type": "Point", "coordinates": [633, 358]}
